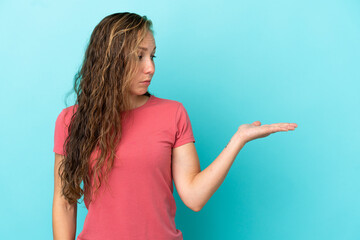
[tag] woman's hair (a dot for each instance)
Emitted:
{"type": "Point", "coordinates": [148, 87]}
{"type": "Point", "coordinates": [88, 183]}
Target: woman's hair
{"type": "Point", "coordinates": [101, 86]}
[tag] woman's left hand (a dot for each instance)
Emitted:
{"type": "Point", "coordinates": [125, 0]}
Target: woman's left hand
{"type": "Point", "coordinates": [249, 132]}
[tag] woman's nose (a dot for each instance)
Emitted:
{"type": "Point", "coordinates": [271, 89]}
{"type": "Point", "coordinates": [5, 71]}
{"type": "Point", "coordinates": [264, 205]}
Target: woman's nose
{"type": "Point", "coordinates": [149, 67]}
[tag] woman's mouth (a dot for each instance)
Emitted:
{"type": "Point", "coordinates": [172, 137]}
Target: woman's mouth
{"type": "Point", "coordinates": [146, 82]}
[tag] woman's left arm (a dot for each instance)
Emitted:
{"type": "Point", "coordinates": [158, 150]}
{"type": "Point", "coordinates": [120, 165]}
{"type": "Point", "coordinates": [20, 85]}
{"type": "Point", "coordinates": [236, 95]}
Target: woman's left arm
{"type": "Point", "coordinates": [195, 187]}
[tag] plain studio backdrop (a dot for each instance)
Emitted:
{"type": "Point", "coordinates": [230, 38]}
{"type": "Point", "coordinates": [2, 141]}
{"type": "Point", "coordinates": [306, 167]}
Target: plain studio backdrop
{"type": "Point", "coordinates": [229, 63]}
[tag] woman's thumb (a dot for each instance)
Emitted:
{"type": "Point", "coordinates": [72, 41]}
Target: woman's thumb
{"type": "Point", "coordinates": [256, 123]}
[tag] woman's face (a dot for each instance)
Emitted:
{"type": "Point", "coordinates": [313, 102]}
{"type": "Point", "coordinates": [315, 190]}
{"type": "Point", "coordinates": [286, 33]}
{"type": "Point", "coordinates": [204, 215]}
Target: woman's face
{"type": "Point", "coordinates": [146, 70]}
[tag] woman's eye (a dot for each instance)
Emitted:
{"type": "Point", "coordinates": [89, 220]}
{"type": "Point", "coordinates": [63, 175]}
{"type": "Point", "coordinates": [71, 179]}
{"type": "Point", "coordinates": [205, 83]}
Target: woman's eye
{"type": "Point", "coordinates": [152, 57]}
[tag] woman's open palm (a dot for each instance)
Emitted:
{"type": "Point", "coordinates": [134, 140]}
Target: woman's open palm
{"type": "Point", "coordinates": [253, 131]}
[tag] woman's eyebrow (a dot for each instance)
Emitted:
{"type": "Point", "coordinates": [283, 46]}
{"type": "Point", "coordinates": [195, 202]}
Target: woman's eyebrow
{"type": "Point", "coordinates": [144, 48]}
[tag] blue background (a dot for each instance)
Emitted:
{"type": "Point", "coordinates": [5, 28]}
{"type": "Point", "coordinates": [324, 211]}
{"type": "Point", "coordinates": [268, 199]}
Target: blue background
{"type": "Point", "coordinates": [229, 63]}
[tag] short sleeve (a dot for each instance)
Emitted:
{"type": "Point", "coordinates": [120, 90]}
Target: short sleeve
{"type": "Point", "coordinates": [184, 133]}
{"type": "Point", "coordinates": [60, 133]}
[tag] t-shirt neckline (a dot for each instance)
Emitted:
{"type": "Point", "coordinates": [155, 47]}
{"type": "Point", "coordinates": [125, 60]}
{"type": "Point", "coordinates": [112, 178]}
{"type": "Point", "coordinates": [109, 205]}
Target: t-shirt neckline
{"type": "Point", "coordinates": [144, 105]}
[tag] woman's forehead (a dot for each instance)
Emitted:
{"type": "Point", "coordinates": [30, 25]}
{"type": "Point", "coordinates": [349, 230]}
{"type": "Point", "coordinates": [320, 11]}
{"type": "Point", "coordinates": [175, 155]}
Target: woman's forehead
{"type": "Point", "coordinates": [148, 43]}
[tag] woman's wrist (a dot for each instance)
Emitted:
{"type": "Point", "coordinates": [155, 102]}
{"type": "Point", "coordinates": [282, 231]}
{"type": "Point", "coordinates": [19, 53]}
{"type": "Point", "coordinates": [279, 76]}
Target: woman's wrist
{"type": "Point", "coordinates": [238, 139]}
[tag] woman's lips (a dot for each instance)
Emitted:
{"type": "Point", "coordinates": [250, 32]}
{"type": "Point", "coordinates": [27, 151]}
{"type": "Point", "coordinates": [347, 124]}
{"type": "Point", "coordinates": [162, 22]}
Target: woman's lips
{"type": "Point", "coordinates": [146, 82]}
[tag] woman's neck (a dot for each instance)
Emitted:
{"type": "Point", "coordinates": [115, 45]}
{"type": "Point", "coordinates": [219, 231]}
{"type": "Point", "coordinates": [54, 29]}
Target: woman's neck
{"type": "Point", "coordinates": [138, 100]}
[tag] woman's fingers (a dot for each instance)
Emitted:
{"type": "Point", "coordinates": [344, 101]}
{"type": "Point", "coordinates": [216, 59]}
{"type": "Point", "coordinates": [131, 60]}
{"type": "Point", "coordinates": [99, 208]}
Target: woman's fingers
{"type": "Point", "coordinates": [276, 127]}
{"type": "Point", "coordinates": [284, 125]}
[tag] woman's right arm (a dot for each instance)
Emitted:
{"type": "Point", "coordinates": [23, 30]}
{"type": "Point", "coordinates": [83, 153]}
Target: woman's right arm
{"type": "Point", "coordinates": [63, 214]}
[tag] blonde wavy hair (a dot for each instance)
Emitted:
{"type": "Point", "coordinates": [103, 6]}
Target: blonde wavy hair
{"type": "Point", "coordinates": [101, 86]}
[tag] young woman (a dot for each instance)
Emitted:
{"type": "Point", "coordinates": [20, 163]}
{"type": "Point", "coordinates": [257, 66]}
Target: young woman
{"type": "Point", "coordinates": [126, 145]}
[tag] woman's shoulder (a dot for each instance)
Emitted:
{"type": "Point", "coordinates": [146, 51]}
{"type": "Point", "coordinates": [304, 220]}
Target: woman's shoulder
{"type": "Point", "coordinates": [166, 102]}
{"type": "Point", "coordinates": [66, 113]}
{"type": "Point", "coordinates": [70, 109]}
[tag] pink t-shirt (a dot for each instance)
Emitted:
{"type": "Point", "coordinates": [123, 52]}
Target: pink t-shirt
{"type": "Point", "coordinates": [140, 203]}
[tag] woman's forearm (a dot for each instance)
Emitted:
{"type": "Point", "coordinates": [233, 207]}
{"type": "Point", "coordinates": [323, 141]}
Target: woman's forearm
{"type": "Point", "coordinates": [206, 182]}
{"type": "Point", "coordinates": [64, 221]}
